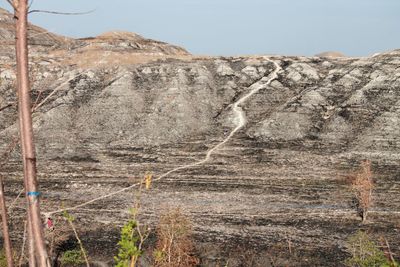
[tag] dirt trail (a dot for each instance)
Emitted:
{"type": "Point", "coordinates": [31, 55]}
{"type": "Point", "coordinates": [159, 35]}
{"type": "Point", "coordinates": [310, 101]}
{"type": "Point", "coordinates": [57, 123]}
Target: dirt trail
{"type": "Point", "coordinates": [240, 119]}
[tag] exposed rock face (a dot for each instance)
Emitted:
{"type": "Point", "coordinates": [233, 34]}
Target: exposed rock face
{"type": "Point", "coordinates": [276, 182]}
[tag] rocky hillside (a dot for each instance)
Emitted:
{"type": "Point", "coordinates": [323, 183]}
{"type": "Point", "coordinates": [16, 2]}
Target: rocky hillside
{"type": "Point", "coordinates": [253, 149]}
{"type": "Point", "coordinates": [111, 48]}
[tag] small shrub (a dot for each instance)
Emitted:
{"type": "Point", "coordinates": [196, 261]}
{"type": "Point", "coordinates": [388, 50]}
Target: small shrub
{"type": "Point", "coordinates": [174, 246]}
{"type": "Point", "coordinates": [72, 257]}
{"type": "Point", "coordinates": [133, 234]}
{"type": "Point", "coordinates": [362, 185]}
{"type": "Point", "coordinates": [365, 253]}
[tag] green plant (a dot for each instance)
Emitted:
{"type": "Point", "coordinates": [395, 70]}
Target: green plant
{"type": "Point", "coordinates": [365, 253]}
{"type": "Point", "coordinates": [72, 257]}
{"type": "Point", "coordinates": [133, 234]}
{"type": "Point", "coordinates": [129, 250]}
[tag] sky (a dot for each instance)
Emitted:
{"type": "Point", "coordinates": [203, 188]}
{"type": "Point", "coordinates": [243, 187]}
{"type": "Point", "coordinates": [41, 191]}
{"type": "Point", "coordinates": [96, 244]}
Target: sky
{"type": "Point", "coordinates": [237, 27]}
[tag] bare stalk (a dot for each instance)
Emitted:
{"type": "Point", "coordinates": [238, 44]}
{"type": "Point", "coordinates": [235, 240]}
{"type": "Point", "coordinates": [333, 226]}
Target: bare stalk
{"type": "Point", "coordinates": [6, 232]}
{"type": "Point", "coordinates": [70, 219]}
{"type": "Point", "coordinates": [388, 251]}
{"type": "Point", "coordinates": [21, 258]}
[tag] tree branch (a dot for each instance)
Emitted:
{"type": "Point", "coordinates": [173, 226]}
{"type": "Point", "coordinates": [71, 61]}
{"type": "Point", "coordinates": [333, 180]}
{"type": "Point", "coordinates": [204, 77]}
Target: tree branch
{"type": "Point", "coordinates": [30, 4]}
{"type": "Point", "coordinates": [12, 4]}
{"type": "Point", "coordinates": [60, 13]}
{"type": "Point", "coordinates": [5, 107]}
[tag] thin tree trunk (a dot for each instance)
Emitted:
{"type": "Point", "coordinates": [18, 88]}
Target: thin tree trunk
{"type": "Point", "coordinates": [21, 257]}
{"type": "Point", "coordinates": [6, 233]}
{"type": "Point", "coordinates": [31, 244]}
{"type": "Point", "coordinates": [26, 131]}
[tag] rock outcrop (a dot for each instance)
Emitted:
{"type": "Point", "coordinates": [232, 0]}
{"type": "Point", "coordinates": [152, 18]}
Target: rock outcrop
{"type": "Point", "coordinates": [274, 189]}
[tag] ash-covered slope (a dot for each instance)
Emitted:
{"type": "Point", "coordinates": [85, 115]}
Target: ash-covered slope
{"type": "Point", "coordinates": [276, 181]}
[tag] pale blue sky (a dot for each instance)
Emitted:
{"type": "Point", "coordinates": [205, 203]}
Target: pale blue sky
{"type": "Point", "coordinates": [237, 27]}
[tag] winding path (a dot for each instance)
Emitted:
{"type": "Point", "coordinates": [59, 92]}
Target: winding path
{"type": "Point", "coordinates": [240, 121]}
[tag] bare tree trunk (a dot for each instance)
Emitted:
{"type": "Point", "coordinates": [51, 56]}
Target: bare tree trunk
{"type": "Point", "coordinates": [26, 131]}
{"type": "Point", "coordinates": [6, 233]}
